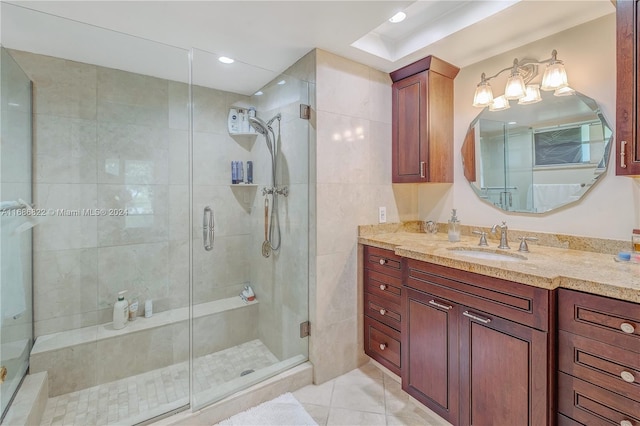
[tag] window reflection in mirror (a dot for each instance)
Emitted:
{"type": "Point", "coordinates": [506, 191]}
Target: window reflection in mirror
{"type": "Point", "coordinates": [538, 157]}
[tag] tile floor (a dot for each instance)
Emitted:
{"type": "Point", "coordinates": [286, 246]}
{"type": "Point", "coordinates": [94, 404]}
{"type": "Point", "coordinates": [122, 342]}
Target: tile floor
{"type": "Point", "coordinates": [365, 396]}
{"type": "Point", "coordinates": [140, 397]}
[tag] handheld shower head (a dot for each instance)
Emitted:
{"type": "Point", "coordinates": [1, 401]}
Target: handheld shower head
{"type": "Point", "coordinates": [260, 126]}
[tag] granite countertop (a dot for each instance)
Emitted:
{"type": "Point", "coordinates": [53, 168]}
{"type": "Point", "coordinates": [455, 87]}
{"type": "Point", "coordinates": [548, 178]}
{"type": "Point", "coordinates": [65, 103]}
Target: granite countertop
{"type": "Point", "coordinates": [545, 267]}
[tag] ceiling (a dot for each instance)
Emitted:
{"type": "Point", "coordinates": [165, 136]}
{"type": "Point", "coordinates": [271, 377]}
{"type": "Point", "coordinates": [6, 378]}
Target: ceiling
{"type": "Point", "coordinates": [266, 37]}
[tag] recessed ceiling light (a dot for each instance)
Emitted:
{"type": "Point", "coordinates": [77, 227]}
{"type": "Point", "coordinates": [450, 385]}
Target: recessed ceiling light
{"type": "Point", "coordinates": [398, 17]}
{"type": "Point", "coordinates": [225, 60]}
{"type": "Point", "coordinates": [259, 93]}
{"type": "Point", "coordinates": [281, 82]}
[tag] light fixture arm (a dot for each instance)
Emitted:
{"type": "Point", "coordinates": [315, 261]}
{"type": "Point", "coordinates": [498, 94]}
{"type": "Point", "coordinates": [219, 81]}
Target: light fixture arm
{"type": "Point", "coordinates": [527, 68]}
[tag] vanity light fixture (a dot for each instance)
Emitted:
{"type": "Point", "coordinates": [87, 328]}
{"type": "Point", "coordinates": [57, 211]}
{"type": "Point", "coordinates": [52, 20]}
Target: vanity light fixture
{"type": "Point", "coordinates": [484, 94]}
{"type": "Point", "coordinates": [515, 88]}
{"type": "Point", "coordinates": [532, 96]}
{"type": "Point", "coordinates": [499, 104]}
{"type": "Point", "coordinates": [518, 87]}
{"type": "Point", "coordinates": [555, 76]}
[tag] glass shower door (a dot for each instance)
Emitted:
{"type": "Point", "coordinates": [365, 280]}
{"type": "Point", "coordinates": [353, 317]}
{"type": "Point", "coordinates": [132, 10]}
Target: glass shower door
{"type": "Point", "coordinates": [250, 235]}
{"type": "Point", "coordinates": [15, 228]}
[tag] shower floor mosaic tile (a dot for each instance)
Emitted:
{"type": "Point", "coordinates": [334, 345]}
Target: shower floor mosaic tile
{"type": "Point", "coordinates": [140, 397]}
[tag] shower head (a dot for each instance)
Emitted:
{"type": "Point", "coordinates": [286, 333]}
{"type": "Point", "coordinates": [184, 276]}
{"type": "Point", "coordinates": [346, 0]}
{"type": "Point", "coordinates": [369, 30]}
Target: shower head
{"type": "Point", "coordinates": [260, 126]}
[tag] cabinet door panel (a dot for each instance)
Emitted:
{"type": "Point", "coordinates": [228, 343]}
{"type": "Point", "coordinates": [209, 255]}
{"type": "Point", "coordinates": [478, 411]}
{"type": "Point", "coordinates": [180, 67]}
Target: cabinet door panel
{"type": "Point", "coordinates": [409, 128]}
{"type": "Point", "coordinates": [430, 372]}
{"type": "Point", "coordinates": [503, 371]}
{"type": "Point", "coordinates": [628, 89]}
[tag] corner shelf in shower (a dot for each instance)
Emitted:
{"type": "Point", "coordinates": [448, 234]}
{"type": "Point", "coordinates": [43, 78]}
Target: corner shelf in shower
{"type": "Point", "coordinates": [243, 134]}
{"type": "Point", "coordinates": [243, 185]}
{"type": "Point", "coordinates": [244, 139]}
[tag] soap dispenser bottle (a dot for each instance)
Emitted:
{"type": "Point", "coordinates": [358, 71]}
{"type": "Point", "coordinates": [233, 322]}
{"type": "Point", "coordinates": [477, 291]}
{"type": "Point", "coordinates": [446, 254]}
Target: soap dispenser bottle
{"type": "Point", "coordinates": [454, 227]}
{"type": "Point", "coordinates": [120, 311]}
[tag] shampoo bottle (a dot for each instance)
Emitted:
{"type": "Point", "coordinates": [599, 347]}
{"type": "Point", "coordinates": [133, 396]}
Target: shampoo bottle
{"type": "Point", "coordinates": [120, 312]}
{"type": "Point", "coordinates": [454, 227]}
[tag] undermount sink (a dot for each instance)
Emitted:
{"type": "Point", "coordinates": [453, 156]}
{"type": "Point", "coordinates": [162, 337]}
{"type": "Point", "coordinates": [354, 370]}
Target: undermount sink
{"type": "Point", "coordinates": [487, 254]}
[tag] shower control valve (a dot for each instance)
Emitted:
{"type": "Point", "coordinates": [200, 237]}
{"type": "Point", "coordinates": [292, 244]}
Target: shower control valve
{"type": "Point", "coordinates": [282, 191]}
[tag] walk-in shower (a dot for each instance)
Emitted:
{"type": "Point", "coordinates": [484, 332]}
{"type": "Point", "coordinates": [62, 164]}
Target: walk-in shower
{"type": "Point", "coordinates": [130, 144]}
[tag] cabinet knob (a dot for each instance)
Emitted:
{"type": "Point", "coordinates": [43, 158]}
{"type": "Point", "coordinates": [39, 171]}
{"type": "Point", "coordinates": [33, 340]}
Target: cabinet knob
{"type": "Point", "coordinates": [383, 346]}
{"type": "Point", "coordinates": [383, 261]}
{"type": "Point", "coordinates": [626, 423]}
{"type": "Point", "coordinates": [383, 287]}
{"type": "Point", "coordinates": [627, 328]}
{"type": "Point", "coordinates": [627, 377]}
{"type": "Point", "coordinates": [383, 311]}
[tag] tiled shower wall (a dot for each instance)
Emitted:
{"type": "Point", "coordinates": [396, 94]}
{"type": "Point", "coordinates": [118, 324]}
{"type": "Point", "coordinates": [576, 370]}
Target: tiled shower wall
{"type": "Point", "coordinates": [105, 138]}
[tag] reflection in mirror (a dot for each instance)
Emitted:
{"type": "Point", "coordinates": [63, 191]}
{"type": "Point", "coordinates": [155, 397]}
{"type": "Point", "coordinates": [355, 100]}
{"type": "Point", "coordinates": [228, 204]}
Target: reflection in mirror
{"type": "Point", "coordinates": [538, 157]}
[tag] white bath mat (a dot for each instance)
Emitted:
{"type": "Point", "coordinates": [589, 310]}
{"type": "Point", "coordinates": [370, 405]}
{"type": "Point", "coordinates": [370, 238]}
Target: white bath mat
{"type": "Point", "coordinates": [284, 410]}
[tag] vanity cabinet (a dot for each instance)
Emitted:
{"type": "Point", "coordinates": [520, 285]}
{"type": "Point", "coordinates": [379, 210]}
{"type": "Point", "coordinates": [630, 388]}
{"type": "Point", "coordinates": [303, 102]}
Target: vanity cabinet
{"type": "Point", "coordinates": [382, 309]}
{"type": "Point", "coordinates": [477, 350]}
{"type": "Point", "coordinates": [422, 122]}
{"type": "Point", "coordinates": [598, 359]}
{"type": "Point", "coordinates": [628, 87]}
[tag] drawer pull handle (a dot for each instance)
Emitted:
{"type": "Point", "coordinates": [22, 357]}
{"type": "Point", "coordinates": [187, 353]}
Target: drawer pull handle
{"type": "Point", "coordinates": [440, 305]}
{"type": "Point", "coordinates": [383, 261]}
{"type": "Point", "coordinates": [627, 377]}
{"type": "Point", "coordinates": [626, 423]}
{"type": "Point", "coordinates": [623, 145]}
{"type": "Point", "coordinates": [383, 311]}
{"type": "Point", "coordinates": [627, 328]}
{"type": "Point", "coordinates": [477, 318]}
{"type": "Point", "coordinates": [383, 287]}
{"type": "Point", "coordinates": [383, 346]}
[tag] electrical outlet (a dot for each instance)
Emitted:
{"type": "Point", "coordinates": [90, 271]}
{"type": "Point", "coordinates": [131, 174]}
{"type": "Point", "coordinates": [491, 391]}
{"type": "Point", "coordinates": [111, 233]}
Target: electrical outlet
{"type": "Point", "coordinates": [382, 215]}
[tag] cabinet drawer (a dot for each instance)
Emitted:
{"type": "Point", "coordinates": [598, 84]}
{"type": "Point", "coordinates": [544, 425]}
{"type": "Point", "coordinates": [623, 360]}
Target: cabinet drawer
{"type": "Point", "coordinates": [593, 405]}
{"type": "Point", "coordinates": [612, 321]}
{"type": "Point", "coordinates": [600, 363]}
{"type": "Point", "coordinates": [513, 301]}
{"type": "Point", "coordinates": [384, 261]}
{"type": "Point", "coordinates": [566, 421]}
{"type": "Point", "coordinates": [382, 343]}
{"type": "Point", "coordinates": [384, 286]}
{"type": "Point", "coordinates": [382, 310]}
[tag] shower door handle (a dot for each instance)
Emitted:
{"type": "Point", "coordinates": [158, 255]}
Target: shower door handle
{"type": "Point", "coordinates": [208, 229]}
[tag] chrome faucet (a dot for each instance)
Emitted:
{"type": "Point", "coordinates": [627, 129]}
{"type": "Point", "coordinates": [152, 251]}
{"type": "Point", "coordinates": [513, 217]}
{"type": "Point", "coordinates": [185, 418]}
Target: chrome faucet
{"type": "Point", "coordinates": [504, 242]}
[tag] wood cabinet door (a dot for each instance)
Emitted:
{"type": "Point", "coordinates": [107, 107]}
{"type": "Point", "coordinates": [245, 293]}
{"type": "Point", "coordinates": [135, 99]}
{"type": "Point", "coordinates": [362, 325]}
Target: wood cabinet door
{"type": "Point", "coordinates": [628, 89]}
{"type": "Point", "coordinates": [410, 131]}
{"type": "Point", "coordinates": [430, 352]}
{"type": "Point", "coordinates": [503, 372]}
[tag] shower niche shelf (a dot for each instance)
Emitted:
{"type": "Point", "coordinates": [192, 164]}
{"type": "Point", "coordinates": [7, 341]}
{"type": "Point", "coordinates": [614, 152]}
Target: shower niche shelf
{"type": "Point", "coordinates": [244, 134]}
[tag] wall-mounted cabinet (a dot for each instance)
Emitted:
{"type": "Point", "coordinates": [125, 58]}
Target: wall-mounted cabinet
{"type": "Point", "coordinates": [422, 122]}
{"type": "Point", "coordinates": [628, 88]}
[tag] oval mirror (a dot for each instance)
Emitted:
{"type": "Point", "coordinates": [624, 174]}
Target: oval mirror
{"type": "Point", "coordinates": [537, 157]}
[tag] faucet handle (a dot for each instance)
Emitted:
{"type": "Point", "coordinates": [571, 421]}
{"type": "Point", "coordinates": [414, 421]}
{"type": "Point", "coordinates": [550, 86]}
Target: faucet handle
{"type": "Point", "coordinates": [483, 237]}
{"type": "Point", "coordinates": [523, 243]}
